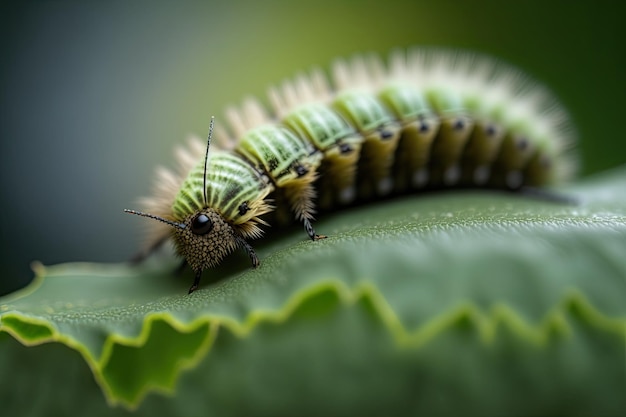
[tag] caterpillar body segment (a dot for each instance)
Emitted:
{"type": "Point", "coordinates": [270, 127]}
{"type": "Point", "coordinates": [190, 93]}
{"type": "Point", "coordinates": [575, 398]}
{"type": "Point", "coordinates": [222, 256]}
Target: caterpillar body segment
{"type": "Point", "coordinates": [291, 162]}
{"type": "Point", "coordinates": [233, 185]}
{"type": "Point", "coordinates": [381, 133]}
{"type": "Point", "coordinates": [340, 145]}
{"type": "Point", "coordinates": [429, 120]}
{"type": "Point", "coordinates": [419, 124]}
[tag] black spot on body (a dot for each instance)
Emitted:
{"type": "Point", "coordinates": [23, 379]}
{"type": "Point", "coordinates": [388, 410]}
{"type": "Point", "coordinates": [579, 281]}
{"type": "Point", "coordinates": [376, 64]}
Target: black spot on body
{"type": "Point", "coordinates": [344, 148]}
{"type": "Point", "coordinates": [243, 208]}
{"type": "Point", "coordinates": [490, 130]}
{"type": "Point", "coordinates": [424, 127]}
{"type": "Point", "coordinates": [522, 143]}
{"type": "Point", "coordinates": [386, 134]}
{"type": "Point", "coordinates": [272, 163]}
{"type": "Point", "coordinates": [300, 170]}
{"type": "Point", "coordinates": [458, 124]}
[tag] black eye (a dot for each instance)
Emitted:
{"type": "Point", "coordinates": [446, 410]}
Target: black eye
{"type": "Point", "coordinates": [201, 225]}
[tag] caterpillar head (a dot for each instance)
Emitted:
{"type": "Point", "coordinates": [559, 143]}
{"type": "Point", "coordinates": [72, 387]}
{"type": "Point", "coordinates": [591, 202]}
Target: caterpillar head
{"type": "Point", "coordinates": [203, 237]}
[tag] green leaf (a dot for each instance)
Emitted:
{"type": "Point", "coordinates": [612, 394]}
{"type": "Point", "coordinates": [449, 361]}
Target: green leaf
{"type": "Point", "coordinates": [465, 302]}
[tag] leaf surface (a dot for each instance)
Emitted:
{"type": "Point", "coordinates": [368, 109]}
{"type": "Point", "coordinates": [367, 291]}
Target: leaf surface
{"type": "Point", "coordinates": [470, 302]}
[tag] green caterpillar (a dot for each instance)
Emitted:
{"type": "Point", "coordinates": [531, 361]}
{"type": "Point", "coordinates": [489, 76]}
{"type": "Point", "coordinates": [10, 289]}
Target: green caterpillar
{"type": "Point", "coordinates": [429, 119]}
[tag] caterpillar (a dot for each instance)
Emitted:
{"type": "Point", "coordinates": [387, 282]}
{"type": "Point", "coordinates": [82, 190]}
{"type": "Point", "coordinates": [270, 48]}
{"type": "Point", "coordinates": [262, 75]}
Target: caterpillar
{"type": "Point", "coordinates": [427, 119]}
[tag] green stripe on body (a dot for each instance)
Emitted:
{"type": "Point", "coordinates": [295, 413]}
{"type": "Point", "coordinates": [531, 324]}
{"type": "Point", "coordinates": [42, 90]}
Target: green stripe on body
{"type": "Point", "coordinates": [322, 125]}
{"type": "Point", "coordinates": [230, 181]}
{"type": "Point", "coordinates": [363, 110]}
{"type": "Point", "coordinates": [274, 149]}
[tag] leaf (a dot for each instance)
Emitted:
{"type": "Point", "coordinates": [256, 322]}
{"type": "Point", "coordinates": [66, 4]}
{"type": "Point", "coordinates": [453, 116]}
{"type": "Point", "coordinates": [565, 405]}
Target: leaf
{"type": "Point", "coordinates": [465, 302]}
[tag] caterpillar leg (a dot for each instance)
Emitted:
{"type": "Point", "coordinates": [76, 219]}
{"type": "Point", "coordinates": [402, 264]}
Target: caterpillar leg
{"type": "Point", "coordinates": [311, 231]}
{"type": "Point", "coordinates": [250, 251]}
{"type": "Point", "coordinates": [241, 242]}
{"type": "Point", "coordinates": [303, 209]}
{"type": "Point", "coordinates": [300, 194]}
{"type": "Point", "coordinates": [196, 282]}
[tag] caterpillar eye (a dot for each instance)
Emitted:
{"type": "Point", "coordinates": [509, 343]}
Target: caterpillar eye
{"type": "Point", "coordinates": [201, 225]}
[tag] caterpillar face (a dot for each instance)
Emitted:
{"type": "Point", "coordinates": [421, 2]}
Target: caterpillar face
{"type": "Point", "coordinates": [428, 119]}
{"type": "Point", "coordinates": [205, 240]}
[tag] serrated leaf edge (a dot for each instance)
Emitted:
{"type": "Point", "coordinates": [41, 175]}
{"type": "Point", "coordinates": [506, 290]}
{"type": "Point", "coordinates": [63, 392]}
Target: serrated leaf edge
{"type": "Point", "coordinates": [487, 324]}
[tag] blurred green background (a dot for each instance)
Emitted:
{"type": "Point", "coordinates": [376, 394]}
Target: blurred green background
{"type": "Point", "coordinates": [94, 96]}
